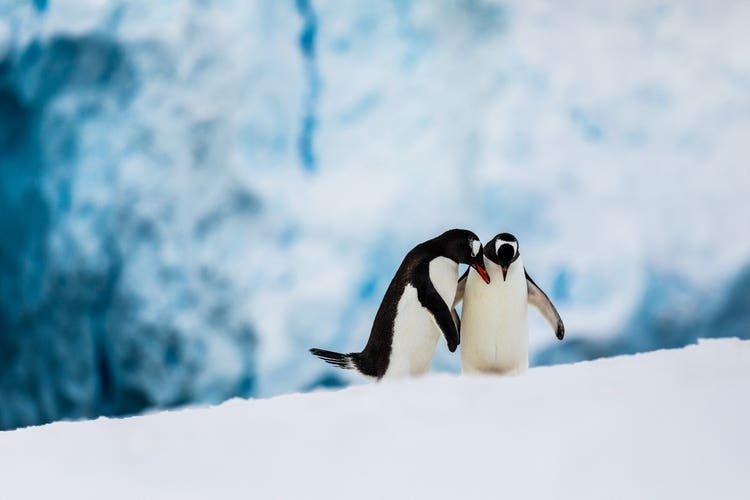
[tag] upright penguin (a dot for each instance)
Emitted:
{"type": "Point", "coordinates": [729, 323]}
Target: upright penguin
{"type": "Point", "coordinates": [416, 308]}
{"type": "Point", "coordinates": [495, 335]}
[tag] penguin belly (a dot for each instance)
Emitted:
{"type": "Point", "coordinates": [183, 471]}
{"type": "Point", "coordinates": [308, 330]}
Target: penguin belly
{"type": "Point", "coordinates": [494, 323]}
{"type": "Point", "coordinates": [415, 332]}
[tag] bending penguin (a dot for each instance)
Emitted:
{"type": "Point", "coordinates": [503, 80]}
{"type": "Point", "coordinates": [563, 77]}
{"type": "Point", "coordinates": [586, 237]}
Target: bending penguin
{"type": "Point", "coordinates": [495, 336]}
{"type": "Point", "coordinates": [416, 309]}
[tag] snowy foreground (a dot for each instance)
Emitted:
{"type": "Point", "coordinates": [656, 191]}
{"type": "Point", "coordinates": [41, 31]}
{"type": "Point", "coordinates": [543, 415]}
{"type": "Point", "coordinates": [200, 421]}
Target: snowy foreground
{"type": "Point", "coordinates": [667, 424]}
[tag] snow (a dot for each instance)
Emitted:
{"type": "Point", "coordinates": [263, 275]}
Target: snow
{"type": "Point", "coordinates": [666, 424]}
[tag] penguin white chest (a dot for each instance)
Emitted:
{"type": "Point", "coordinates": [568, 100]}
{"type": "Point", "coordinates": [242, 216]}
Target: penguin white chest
{"type": "Point", "coordinates": [444, 277]}
{"type": "Point", "coordinates": [494, 330]}
{"type": "Point", "coordinates": [415, 332]}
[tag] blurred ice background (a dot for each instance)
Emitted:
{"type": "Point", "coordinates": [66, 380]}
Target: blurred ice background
{"type": "Point", "coordinates": [193, 193]}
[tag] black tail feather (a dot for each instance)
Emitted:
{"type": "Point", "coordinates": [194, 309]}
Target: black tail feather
{"type": "Point", "coordinates": [345, 361]}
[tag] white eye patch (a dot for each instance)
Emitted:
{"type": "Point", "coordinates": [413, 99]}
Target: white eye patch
{"type": "Point", "coordinates": [475, 245]}
{"type": "Point", "coordinates": [499, 243]}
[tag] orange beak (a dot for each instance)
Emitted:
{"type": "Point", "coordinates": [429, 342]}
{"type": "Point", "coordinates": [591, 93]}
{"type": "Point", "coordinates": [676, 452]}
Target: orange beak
{"type": "Point", "coordinates": [479, 267]}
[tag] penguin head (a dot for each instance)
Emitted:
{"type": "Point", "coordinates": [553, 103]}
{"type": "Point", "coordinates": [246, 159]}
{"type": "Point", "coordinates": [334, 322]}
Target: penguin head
{"type": "Point", "coordinates": [503, 251]}
{"type": "Point", "coordinates": [465, 247]}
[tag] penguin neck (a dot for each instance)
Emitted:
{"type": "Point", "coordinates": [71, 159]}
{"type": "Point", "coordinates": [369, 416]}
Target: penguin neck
{"type": "Point", "coordinates": [515, 272]}
{"type": "Point", "coordinates": [430, 250]}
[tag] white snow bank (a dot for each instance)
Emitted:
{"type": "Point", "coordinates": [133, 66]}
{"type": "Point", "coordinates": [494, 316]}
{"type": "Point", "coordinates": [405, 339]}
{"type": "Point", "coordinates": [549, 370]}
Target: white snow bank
{"type": "Point", "coordinates": [667, 424]}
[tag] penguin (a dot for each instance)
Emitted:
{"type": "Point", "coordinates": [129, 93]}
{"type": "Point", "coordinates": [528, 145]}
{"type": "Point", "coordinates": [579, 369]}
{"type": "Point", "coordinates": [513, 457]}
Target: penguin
{"type": "Point", "coordinates": [494, 318]}
{"type": "Point", "coordinates": [416, 309]}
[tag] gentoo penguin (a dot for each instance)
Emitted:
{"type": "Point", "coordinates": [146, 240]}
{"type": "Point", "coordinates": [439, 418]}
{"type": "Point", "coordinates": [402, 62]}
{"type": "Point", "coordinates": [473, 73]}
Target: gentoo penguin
{"type": "Point", "coordinates": [416, 308]}
{"type": "Point", "coordinates": [495, 335]}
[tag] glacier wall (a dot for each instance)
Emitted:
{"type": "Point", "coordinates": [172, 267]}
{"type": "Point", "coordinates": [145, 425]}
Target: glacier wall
{"type": "Point", "coordinates": [192, 193]}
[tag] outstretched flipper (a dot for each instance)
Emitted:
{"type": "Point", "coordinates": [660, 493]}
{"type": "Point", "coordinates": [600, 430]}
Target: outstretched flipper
{"type": "Point", "coordinates": [539, 299]}
{"type": "Point", "coordinates": [433, 302]}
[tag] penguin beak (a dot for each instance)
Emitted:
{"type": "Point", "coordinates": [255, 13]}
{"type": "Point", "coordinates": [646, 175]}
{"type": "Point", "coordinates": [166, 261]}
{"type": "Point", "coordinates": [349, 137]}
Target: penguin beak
{"type": "Point", "coordinates": [478, 266]}
{"type": "Point", "coordinates": [505, 271]}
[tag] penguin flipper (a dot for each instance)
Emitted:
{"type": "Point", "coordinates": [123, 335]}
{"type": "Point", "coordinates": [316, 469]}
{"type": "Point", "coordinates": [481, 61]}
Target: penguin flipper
{"type": "Point", "coordinates": [539, 299]}
{"type": "Point", "coordinates": [457, 322]}
{"type": "Point", "coordinates": [460, 289]}
{"type": "Point", "coordinates": [433, 302]}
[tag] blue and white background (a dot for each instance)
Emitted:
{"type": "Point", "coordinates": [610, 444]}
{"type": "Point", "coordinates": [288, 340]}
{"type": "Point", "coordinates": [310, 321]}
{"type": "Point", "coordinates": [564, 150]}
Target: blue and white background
{"type": "Point", "coordinates": [193, 193]}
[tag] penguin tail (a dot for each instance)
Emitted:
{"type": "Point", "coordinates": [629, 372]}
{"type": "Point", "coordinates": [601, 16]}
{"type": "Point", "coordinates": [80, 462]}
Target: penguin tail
{"type": "Point", "coordinates": [345, 361]}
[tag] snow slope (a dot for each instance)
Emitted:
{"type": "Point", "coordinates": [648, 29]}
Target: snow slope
{"type": "Point", "coordinates": [667, 424]}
